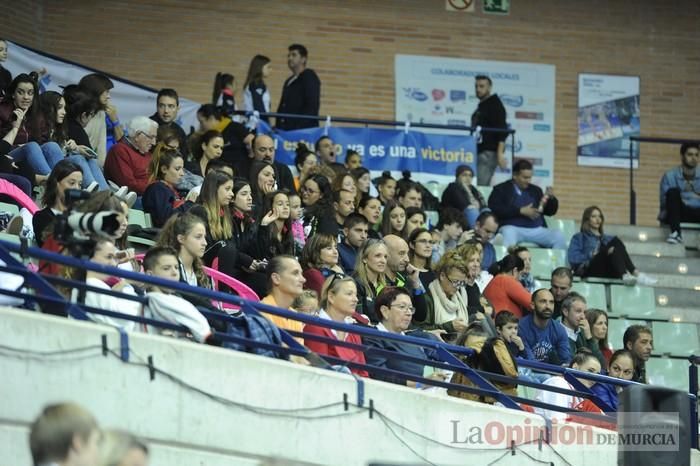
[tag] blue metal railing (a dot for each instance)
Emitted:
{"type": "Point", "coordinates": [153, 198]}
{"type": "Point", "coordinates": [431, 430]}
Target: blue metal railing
{"type": "Point", "coordinates": [442, 355]}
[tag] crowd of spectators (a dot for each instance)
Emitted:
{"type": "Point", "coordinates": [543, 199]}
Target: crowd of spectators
{"type": "Point", "coordinates": [329, 241]}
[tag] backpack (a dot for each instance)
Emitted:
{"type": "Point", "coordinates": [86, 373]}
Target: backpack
{"type": "Point", "coordinates": [257, 328]}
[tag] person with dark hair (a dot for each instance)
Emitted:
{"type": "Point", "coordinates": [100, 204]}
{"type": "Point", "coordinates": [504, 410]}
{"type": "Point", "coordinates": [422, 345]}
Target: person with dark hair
{"type": "Point", "coordinates": [104, 129]}
{"type": "Point", "coordinates": [363, 180]}
{"type": "Point", "coordinates": [319, 215]}
{"type": "Point", "coordinates": [526, 279]}
{"type": "Point", "coordinates": [395, 311]}
{"type": "Point", "coordinates": [506, 324]}
{"type": "Point", "coordinates": [545, 337]}
{"type": "Point", "coordinates": [161, 198]}
{"type": "Point", "coordinates": [354, 237]}
{"type": "Point", "coordinates": [560, 285]}
{"type": "Point", "coordinates": [393, 219]}
{"type": "Point", "coordinates": [450, 227]}
{"type": "Point", "coordinates": [621, 367]}
{"type": "Point", "coordinates": [338, 301]}
{"type": "Point", "coordinates": [319, 258]}
{"type": "Point", "coordinates": [301, 93]}
{"type": "Point", "coordinates": [386, 185]}
{"type": "Point", "coordinates": [167, 108]}
{"type": "Point", "coordinates": [592, 253]}
{"type": "Point", "coordinates": [485, 228]}
{"type": "Point", "coordinates": [490, 113]}
{"type": "Point", "coordinates": [187, 234]}
{"type": "Point", "coordinates": [237, 138]}
{"type": "Point", "coordinates": [583, 361]}
{"type": "Point", "coordinates": [463, 196]}
{"type": "Point", "coordinates": [65, 175]}
{"type": "Point", "coordinates": [223, 93]}
{"type": "Point", "coordinates": [5, 75]}
{"type": "Point", "coordinates": [275, 235]}
{"type": "Point", "coordinates": [639, 341]}
{"type": "Point", "coordinates": [679, 193]}
{"type": "Point", "coordinates": [353, 159]}
{"type": "Point", "coordinates": [343, 205]}
{"type": "Point", "coordinates": [264, 150]}
{"type": "Point", "coordinates": [209, 147]}
{"type": "Point", "coordinates": [573, 318]}
{"type": "Point", "coordinates": [20, 126]}
{"type": "Point", "coordinates": [520, 207]}
{"type": "Point", "coordinates": [420, 244]}
{"type": "Point", "coordinates": [65, 434]}
{"type": "Point", "coordinates": [262, 181]}
{"type": "Point", "coordinates": [304, 161]}
{"type": "Point", "coordinates": [504, 291]}
{"type": "Point", "coordinates": [371, 208]}
{"type": "Point", "coordinates": [409, 195]}
{"type": "Point", "coordinates": [285, 282]}
{"type": "Point", "coordinates": [256, 95]}
{"type": "Point", "coordinates": [325, 150]}
{"type": "Point", "coordinates": [598, 323]}
{"type": "Point", "coordinates": [415, 218]}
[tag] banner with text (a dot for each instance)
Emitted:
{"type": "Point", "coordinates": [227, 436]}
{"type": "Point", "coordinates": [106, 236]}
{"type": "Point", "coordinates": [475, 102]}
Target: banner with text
{"type": "Point", "coordinates": [441, 90]}
{"type": "Point", "coordinates": [131, 99]}
{"type": "Point", "coordinates": [425, 155]}
{"type": "Point", "coordinates": [608, 114]}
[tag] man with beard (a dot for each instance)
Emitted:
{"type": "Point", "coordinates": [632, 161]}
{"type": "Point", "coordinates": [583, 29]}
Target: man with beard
{"type": "Point", "coordinates": [463, 196]}
{"type": "Point", "coordinates": [264, 150]}
{"type": "Point", "coordinates": [639, 341]}
{"type": "Point", "coordinates": [167, 108]}
{"type": "Point", "coordinates": [490, 113]}
{"type": "Point", "coordinates": [561, 280]}
{"type": "Point", "coordinates": [680, 193]}
{"type": "Point", "coordinates": [545, 337]}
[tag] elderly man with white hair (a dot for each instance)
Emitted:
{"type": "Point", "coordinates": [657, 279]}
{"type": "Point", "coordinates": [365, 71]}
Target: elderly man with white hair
{"type": "Point", "coordinates": [127, 161]}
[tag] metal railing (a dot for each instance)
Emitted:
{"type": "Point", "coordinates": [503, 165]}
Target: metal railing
{"type": "Point", "coordinates": [439, 355]}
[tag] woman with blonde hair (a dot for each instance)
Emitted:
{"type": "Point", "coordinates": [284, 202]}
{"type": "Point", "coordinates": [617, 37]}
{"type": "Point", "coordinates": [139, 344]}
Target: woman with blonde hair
{"type": "Point", "coordinates": [370, 275]}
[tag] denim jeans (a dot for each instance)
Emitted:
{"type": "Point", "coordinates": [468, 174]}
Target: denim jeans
{"type": "Point", "coordinates": [41, 159]}
{"type": "Point", "coordinates": [543, 237]}
{"type": "Point", "coordinates": [91, 171]}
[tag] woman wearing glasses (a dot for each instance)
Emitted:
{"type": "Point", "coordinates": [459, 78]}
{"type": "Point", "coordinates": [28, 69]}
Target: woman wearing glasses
{"type": "Point", "coordinates": [446, 299]}
{"type": "Point", "coordinates": [504, 291]}
{"type": "Point", "coordinates": [319, 215]}
{"type": "Point", "coordinates": [395, 311]}
{"type": "Point", "coordinates": [420, 245]}
{"type": "Point", "coordinates": [338, 302]}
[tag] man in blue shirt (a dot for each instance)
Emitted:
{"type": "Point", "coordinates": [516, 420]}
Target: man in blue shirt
{"type": "Point", "coordinates": [520, 207]}
{"type": "Point", "coordinates": [544, 337]}
{"type": "Point", "coordinates": [485, 229]}
{"type": "Point", "coordinates": [680, 193]}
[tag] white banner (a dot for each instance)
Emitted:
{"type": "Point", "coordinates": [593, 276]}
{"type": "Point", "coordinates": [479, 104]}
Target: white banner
{"type": "Point", "coordinates": [608, 113]}
{"type": "Point", "coordinates": [441, 90]}
{"type": "Point", "coordinates": [130, 99]}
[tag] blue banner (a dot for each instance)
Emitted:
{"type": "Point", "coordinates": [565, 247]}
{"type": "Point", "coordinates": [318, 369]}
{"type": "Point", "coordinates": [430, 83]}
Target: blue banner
{"type": "Point", "coordinates": [384, 149]}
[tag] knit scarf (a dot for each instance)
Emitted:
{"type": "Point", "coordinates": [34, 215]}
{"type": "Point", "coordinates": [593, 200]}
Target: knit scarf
{"type": "Point", "coordinates": [447, 309]}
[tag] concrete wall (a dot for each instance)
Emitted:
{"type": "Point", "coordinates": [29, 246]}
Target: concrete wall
{"type": "Point", "coordinates": [185, 428]}
{"type": "Point", "coordinates": [182, 44]}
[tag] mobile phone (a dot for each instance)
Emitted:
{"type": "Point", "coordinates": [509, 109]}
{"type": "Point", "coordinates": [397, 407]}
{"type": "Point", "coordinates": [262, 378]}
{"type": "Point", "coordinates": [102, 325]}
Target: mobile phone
{"type": "Point", "coordinates": [90, 153]}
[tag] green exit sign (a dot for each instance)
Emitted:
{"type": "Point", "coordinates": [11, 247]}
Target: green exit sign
{"type": "Point", "coordinates": [497, 7]}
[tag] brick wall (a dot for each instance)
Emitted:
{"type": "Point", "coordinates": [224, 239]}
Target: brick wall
{"type": "Point", "coordinates": [352, 44]}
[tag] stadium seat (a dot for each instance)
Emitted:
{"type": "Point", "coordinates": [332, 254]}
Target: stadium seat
{"type": "Point", "coordinates": [546, 260]}
{"type": "Point", "coordinates": [632, 301]}
{"type": "Point", "coordinates": [139, 217]}
{"type": "Point", "coordinates": [565, 225]}
{"type": "Point", "coordinates": [668, 372]}
{"type": "Point", "coordinates": [594, 294]}
{"type": "Point", "coordinates": [10, 208]}
{"type": "Point", "coordinates": [676, 338]}
{"type": "Point", "coordinates": [616, 329]}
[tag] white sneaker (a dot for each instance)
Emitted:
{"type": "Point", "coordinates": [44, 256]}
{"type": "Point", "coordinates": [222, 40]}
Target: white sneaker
{"type": "Point", "coordinates": [674, 238]}
{"type": "Point", "coordinates": [92, 187]}
{"type": "Point", "coordinates": [629, 279]}
{"type": "Point", "coordinates": [121, 192]}
{"type": "Point", "coordinates": [646, 280]}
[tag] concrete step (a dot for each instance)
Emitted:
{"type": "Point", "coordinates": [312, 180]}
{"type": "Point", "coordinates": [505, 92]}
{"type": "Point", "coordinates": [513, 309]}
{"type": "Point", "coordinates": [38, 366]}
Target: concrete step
{"type": "Point", "coordinates": [677, 298]}
{"type": "Point", "coordinates": [641, 233]}
{"type": "Point", "coordinates": [655, 248]}
{"type": "Point", "coordinates": [677, 281]}
{"type": "Point", "coordinates": [679, 314]}
{"type": "Point", "coordinates": [667, 265]}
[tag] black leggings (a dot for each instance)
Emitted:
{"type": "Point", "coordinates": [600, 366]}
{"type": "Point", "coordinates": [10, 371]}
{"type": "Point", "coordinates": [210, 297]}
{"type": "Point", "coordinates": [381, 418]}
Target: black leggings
{"type": "Point", "coordinates": [610, 265]}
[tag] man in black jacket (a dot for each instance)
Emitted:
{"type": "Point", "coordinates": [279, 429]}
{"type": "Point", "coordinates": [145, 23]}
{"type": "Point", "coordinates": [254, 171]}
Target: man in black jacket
{"type": "Point", "coordinates": [301, 93]}
{"type": "Point", "coordinates": [520, 206]}
{"type": "Point", "coordinates": [463, 196]}
{"type": "Point", "coordinates": [167, 107]}
{"type": "Point", "coordinates": [490, 113]}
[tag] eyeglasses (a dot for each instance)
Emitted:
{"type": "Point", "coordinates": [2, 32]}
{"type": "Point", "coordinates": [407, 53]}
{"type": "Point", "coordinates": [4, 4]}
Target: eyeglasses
{"type": "Point", "coordinates": [151, 137]}
{"type": "Point", "coordinates": [403, 308]}
{"type": "Point", "coordinates": [335, 278]}
{"type": "Point", "coordinates": [457, 283]}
